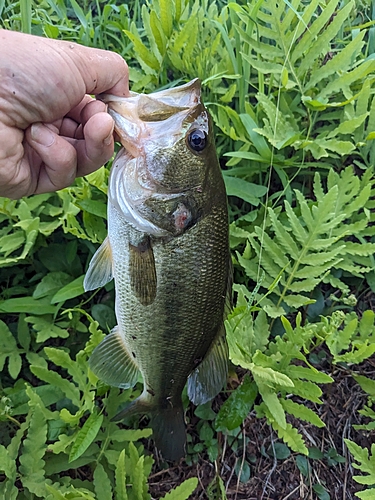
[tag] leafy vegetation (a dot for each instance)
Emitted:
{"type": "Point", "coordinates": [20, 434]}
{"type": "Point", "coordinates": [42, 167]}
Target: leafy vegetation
{"type": "Point", "coordinates": [290, 86]}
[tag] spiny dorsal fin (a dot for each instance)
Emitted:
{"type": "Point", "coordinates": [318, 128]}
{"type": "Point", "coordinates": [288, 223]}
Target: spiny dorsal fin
{"type": "Point", "coordinates": [100, 268]}
{"type": "Point", "coordinates": [143, 272]}
{"type": "Point", "coordinates": [112, 363]}
{"type": "Point", "coordinates": [206, 381]}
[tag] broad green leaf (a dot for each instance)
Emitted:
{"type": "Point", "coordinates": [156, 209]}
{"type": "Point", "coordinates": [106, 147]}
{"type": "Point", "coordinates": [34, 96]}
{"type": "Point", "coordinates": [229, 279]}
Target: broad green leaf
{"type": "Point", "coordinates": [8, 343]}
{"type": "Point", "coordinates": [77, 369]}
{"type": "Point", "coordinates": [242, 189]}
{"type": "Point", "coordinates": [321, 492]}
{"type": "Point", "coordinates": [69, 291]}
{"type": "Point", "coordinates": [79, 13]}
{"type": "Point", "coordinates": [9, 349]}
{"type": "Point", "coordinates": [309, 35]}
{"type": "Point", "coordinates": [11, 242]}
{"type": "Point", "coordinates": [345, 80]}
{"type": "Point", "coordinates": [367, 384]}
{"type": "Point", "coordinates": [27, 305]}
{"type": "Point", "coordinates": [325, 36]}
{"type": "Point", "coordinates": [14, 365]}
{"type": "Point", "coordinates": [23, 333]}
{"type": "Point", "coordinates": [85, 436]}
{"type": "Point", "coordinates": [56, 495]}
{"type": "Point", "coordinates": [94, 207]}
{"type": "Point", "coordinates": [51, 283]}
{"type": "Point", "coordinates": [348, 126]}
{"type": "Point", "coordinates": [236, 408]}
{"type": "Point", "coordinates": [48, 394]}
{"type": "Point", "coordinates": [366, 324]}
{"type": "Point", "coordinates": [6, 463]}
{"type": "Point", "coordinates": [365, 495]}
{"type": "Point", "coordinates": [259, 142]}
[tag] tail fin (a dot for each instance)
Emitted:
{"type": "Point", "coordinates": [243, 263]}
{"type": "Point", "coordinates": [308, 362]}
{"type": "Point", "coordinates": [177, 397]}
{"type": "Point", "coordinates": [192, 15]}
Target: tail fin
{"type": "Point", "coordinates": [168, 426]}
{"type": "Point", "coordinates": [169, 432]}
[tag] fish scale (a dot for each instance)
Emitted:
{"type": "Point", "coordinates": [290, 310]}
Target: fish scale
{"type": "Point", "coordinates": [168, 251]}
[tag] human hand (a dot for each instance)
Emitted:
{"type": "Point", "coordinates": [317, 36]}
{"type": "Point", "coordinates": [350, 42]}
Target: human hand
{"type": "Point", "coordinates": [51, 130]}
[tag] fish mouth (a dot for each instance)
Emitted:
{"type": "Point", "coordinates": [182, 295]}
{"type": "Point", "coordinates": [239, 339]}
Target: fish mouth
{"type": "Point", "coordinates": [160, 116]}
{"type": "Point", "coordinates": [161, 104]}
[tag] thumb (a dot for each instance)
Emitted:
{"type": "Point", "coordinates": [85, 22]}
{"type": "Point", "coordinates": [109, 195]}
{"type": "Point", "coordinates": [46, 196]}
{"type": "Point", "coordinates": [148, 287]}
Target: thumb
{"type": "Point", "coordinates": [44, 135]}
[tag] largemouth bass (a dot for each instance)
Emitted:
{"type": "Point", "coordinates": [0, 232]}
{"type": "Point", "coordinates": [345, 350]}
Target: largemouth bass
{"type": "Point", "coordinates": [167, 249]}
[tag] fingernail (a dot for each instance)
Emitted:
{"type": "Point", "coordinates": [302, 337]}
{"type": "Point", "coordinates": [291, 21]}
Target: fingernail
{"type": "Point", "coordinates": [108, 140]}
{"type": "Point", "coordinates": [42, 135]}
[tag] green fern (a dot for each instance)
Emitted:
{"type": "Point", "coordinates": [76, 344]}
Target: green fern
{"type": "Point", "coordinates": [33, 450]}
{"type": "Point", "coordinates": [351, 340]}
{"type": "Point", "coordinates": [276, 376]}
{"type": "Point", "coordinates": [366, 464]}
{"type": "Point", "coordinates": [310, 243]}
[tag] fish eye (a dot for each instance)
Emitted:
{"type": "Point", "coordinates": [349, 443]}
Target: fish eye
{"type": "Point", "coordinates": [197, 140]}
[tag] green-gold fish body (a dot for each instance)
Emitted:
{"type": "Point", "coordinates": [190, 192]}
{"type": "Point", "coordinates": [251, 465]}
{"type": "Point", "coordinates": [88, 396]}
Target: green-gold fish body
{"type": "Point", "coordinates": [167, 249]}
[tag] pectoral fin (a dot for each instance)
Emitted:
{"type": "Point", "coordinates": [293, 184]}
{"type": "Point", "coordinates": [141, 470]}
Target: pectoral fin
{"type": "Point", "coordinates": [100, 268]}
{"type": "Point", "coordinates": [142, 272]}
{"type": "Point", "coordinates": [206, 381]}
{"type": "Point", "coordinates": [112, 363]}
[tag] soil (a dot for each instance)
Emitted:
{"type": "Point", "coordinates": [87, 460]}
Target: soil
{"type": "Point", "coordinates": [271, 478]}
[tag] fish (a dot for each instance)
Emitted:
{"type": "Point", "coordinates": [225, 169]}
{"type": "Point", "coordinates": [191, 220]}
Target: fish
{"type": "Point", "coordinates": [167, 249]}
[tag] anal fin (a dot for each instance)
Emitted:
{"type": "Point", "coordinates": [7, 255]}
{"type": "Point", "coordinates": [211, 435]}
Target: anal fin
{"type": "Point", "coordinates": [143, 272]}
{"type": "Point", "coordinates": [206, 381]}
{"type": "Point", "coordinates": [100, 268]}
{"type": "Point", "coordinates": [112, 363]}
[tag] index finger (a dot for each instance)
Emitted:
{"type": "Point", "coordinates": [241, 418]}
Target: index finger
{"type": "Point", "coordinates": [101, 70]}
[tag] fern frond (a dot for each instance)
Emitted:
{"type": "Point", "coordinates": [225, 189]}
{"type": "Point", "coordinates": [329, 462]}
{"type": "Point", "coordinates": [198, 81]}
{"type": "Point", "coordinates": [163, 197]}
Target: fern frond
{"type": "Point", "coordinates": [291, 437]}
{"type": "Point", "coordinates": [313, 240]}
{"type": "Point", "coordinates": [102, 483]}
{"type": "Point", "coordinates": [183, 491]}
{"type": "Point", "coordinates": [288, 434]}
{"type": "Point", "coordinates": [366, 461]}
{"type": "Point", "coordinates": [272, 402]}
{"type": "Point", "coordinates": [70, 390]}
{"type": "Point", "coordinates": [302, 412]}
{"type": "Point", "coordinates": [33, 450]}
{"type": "Point", "coordinates": [305, 42]}
{"type": "Point", "coordinates": [321, 45]}
{"type": "Point", "coordinates": [120, 475]}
